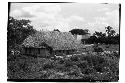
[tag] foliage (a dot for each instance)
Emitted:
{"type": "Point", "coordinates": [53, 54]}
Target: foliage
{"type": "Point", "coordinates": [79, 31]}
{"type": "Point", "coordinates": [17, 32]}
{"type": "Point", "coordinates": [88, 67]}
{"type": "Point", "coordinates": [97, 48]}
{"type": "Point", "coordinates": [110, 31]}
{"type": "Point", "coordinates": [99, 34]}
{"type": "Point", "coordinates": [109, 37]}
{"type": "Point", "coordinates": [56, 30]}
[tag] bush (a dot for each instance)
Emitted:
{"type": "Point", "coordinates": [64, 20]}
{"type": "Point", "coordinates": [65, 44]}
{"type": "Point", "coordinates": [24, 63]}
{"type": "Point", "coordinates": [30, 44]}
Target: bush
{"type": "Point", "coordinates": [89, 67]}
{"type": "Point", "coordinates": [48, 65]}
{"type": "Point", "coordinates": [82, 64]}
{"type": "Point", "coordinates": [74, 58]}
{"type": "Point", "coordinates": [97, 48]}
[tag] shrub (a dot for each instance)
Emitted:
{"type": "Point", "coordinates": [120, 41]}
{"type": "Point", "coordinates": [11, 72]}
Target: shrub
{"type": "Point", "coordinates": [74, 58]}
{"type": "Point", "coordinates": [82, 64]}
{"type": "Point", "coordinates": [48, 65]}
{"type": "Point", "coordinates": [98, 49]}
{"type": "Point", "coordinates": [88, 67]}
{"type": "Point", "coordinates": [116, 54]}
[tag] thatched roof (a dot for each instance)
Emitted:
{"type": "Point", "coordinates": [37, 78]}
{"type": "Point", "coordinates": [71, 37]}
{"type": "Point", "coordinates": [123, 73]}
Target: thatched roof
{"type": "Point", "coordinates": [56, 40]}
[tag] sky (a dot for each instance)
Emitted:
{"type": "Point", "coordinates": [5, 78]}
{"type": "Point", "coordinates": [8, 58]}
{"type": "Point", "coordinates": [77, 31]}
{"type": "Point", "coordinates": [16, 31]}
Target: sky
{"type": "Point", "coordinates": [68, 16]}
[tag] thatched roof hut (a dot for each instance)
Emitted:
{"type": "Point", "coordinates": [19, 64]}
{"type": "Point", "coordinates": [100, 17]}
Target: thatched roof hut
{"type": "Point", "coordinates": [54, 39]}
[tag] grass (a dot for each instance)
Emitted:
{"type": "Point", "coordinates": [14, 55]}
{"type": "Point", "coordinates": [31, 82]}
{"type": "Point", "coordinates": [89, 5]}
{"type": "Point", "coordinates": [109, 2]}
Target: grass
{"type": "Point", "coordinates": [110, 47]}
{"type": "Point", "coordinates": [88, 67]}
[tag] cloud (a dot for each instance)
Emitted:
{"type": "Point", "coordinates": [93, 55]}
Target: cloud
{"type": "Point", "coordinates": [59, 22]}
{"type": "Point", "coordinates": [110, 18]}
{"type": "Point", "coordinates": [75, 17]}
{"type": "Point", "coordinates": [66, 17]}
{"type": "Point", "coordinates": [41, 10]}
{"type": "Point", "coordinates": [113, 17]}
{"type": "Point", "coordinates": [16, 13]}
{"type": "Point", "coordinates": [21, 14]}
{"type": "Point", "coordinates": [50, 15]}
{"type": "Point", "coordinates": [103, 9]}
{"type": "Point", "coordinates": [52, 9]}
{"type": "Point", "coordinates": [96, 26]}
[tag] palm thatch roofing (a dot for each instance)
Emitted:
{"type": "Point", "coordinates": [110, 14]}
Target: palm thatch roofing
{"type": "Point", "coordinates": [54, 39]}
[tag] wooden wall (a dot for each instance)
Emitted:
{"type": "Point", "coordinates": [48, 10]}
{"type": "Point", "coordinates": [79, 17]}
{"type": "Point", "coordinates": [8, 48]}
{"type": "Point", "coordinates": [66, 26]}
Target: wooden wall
{"type": "Point", "coordinates": [44, 52]}
{"type": "Point", "coordinates": [40, 52]}
{"type": "Point", "coordinates": [61, 52]}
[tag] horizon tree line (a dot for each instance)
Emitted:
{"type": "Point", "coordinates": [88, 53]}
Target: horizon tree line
{"type": "Point", "coordinates": [19, 30]}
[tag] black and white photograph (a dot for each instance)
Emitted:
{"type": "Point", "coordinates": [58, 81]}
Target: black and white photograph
{"type": "Point", "coordinates": [63, 41]}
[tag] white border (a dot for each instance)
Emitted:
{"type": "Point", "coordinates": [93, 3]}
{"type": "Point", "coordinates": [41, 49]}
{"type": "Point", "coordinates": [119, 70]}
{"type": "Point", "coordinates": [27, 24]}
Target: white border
{"type": "Point", "coordinates": [3, 32]}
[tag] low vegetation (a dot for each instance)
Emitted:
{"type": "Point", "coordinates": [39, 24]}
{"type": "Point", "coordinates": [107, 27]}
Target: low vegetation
{"type": "Point", "coordinates": [91, 66]}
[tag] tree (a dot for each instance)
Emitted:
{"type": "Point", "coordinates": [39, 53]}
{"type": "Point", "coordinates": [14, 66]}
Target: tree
{"type": "Point", "coordinates": [110, 31]}
{"type": "Point", "coordinates": [17, 31]}
{"type": "Point", "coordinates": [56, 30]}
{"type": "Point", "coordinates": [109, 37]}
{"type": "Point", "coordinates": [99, 34]}
{"type": "Point", "coordinates": [86, 31]}
{"type": "Point", "coordinates": [79, 31]}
